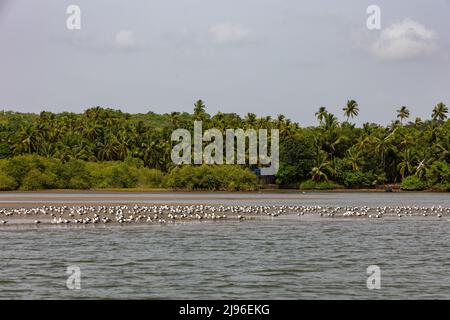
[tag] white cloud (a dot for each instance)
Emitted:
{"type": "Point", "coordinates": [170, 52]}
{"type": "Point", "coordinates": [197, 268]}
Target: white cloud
{"type": "Point", "coordinates": [228, 33]}
{"type": "Point", "coordinates": [404, 40]}
{"type": "Point", "coordinates": [125, 39]}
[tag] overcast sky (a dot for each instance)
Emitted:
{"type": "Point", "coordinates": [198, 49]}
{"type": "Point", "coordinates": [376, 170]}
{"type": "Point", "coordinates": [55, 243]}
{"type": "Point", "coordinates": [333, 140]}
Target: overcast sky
{"type": "Point", "coordinates": [261, 56]}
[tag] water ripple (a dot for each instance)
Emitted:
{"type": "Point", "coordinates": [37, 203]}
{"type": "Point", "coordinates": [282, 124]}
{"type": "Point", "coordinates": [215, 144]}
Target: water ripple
{"type": "Point", "coordinates": [259, 259]}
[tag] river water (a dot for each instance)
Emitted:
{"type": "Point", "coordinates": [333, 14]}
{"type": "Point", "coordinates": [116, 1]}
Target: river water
{"type": "Point", "coordinates": [287, 257]}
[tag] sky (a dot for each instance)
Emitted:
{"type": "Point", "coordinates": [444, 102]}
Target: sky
{"type": "Point", "coordinates": [261, 56]}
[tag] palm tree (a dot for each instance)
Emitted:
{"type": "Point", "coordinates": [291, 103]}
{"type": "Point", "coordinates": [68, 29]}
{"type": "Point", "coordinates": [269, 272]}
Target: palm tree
{"type": "Point", "coordinates": [354, 156]}
{"type": "Point", "coordinates": [287, 129]}
{"type": "Point", "coordinates": [405, 167]}
{"type": "Point", "coordinates": [442, 149]}
{"type": "Point", "coordinates": [108, 149]}
{"type": "Point", "coordinates": [421, 168]}
{"type": "Point", "coordinates": [94, 113]}
{"type": "Point", "coordinates": [330, 121]}
{"type": "Point", "coordinates": [363, 141]}
{"type": "Point", "coordinates": [320, 115]}
{"type": "Point", "coordinates": [418, 122]}
{"type": "Point", "coordinates": [27, 139]}
{"type": "Point", "coordinates": [250, 120]}
{"type": "Point", "coordinates": [383, 146]}
{"type": "Point", "coordinates": [440, 112]}
{"type": "Point", "coordinates": [218, 121]}
{"type": "Point", "coordinates": [403, 113]}
{"type": "Point", "coordinates": [351, 109]}
{"type": "Point", "coordinates": [338, 140]}
{"type": "Point", "coordinates": [368, 128]}
{"type": "Point", "coordinates": [199, 110]}
{"type": "Point", "coordinates": [174, 119]}
{"type": "Point", "coordinates": [91, 130]}
{"type": "Point", "coordinates": [322, 166]}
{"type": "Point", "coordinates": [279, 122]}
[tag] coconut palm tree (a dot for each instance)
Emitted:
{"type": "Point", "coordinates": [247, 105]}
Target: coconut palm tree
{"type": "Point", "coordinates": [279, 122]}
{"type": "Point", "coordinates": [94, 113]}
{"type": "Point", "coordinates": [174, 119]}
{"type": "Point", "coordinates": [418, 122]}
{"type": "Point", "coordinates": [422, 168]}
{"type": "Point", "coordinates": [354, 156]}
{"type": "Point", "coordinates": [330, 121]}
{"type": "Point", "coordinates": [199, 110]}
{"type": "Point", "coordinates": [27, 139]}
{"type": "Point", "coordinates": [351, 109]}
{"type": "Point", "coordinates": [250, 120]}
{"type": "Point", "coordinates": [439, 112]}
{"type": "Point", "coordinates": [320, 115]}
{"type": "Point", "coordinates": [403, 113]}
{"type": "Point", "coordinates": [383, 146]}
{"type": "Point", "coordinates": [322, 166]}
{"type": "Point", "coordinates": [406, 166]}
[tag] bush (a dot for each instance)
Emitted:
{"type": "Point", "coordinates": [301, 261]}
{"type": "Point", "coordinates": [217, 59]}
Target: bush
{"type": "Point", "coordinates": [18, 167]}
{"type": "Point", "coordinates": [318, 185]}
{"type": "Point", "coordinates": [123, 176]}
{"type": "Point", "coordinates": [33, 172]}
{"type": "Point", "coordinates": [79, 183]}
{"type": "Point", "coordinates": [98, 172]}
{"type": "Point", "coordinates": [7, 183]}
{"type": "Point", "coordinates": [113, 175]}
{"type": "Point", "coordinates": [150, 178]}
{"type": "Point", "coordinates": [445, 187]}
{"type": "Point", "coordinates": [358, 179]}
{"type": "Point", "coordinates": [73, 175]}
{"type": "Point", "coordinates": [208, 177]}
{"type": "Point", "coordinates": [296, 159]}
{"type": "Point", "coordinates": [439, 173]}
{"type": "Point", "coordinates": [412, 183]}
{"type": "Point", "coordinates": [35, 180]}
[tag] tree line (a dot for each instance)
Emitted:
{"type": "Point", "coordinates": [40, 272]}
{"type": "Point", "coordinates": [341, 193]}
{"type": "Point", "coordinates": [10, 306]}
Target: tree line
{"type": "Point", "coordinates": [412, 153]}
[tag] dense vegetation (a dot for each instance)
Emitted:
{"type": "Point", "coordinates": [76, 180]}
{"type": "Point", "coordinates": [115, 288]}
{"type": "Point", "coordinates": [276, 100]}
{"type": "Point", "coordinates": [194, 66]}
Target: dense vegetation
{"type": "Point", "coordinates": [108, 148]}
{"type": "Point", "coordinates": [33, 172]}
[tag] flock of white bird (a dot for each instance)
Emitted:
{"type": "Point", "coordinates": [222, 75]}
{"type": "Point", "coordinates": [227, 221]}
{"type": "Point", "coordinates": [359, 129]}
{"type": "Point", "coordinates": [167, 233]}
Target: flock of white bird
{"type": "Point", "coordinates": [166, 214]}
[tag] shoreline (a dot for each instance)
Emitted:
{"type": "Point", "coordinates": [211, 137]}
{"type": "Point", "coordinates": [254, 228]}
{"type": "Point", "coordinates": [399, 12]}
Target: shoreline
{"type": "Point", "coordinates": [29, 199]}
{"type": "Point", "coordinates": [169, 191]}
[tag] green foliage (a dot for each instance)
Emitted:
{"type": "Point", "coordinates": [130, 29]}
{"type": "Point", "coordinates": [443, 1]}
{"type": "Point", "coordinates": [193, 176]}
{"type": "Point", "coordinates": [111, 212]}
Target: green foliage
{"type": "Point", "coordinates": [207, 177]}
{"type": "Point", "coordinates": [17, 168]}
{"type": "Point", "coordinates": [46, 173]}
{"type": "Point", "coordinates": [102, 147]}
{"type": "Point", "coordinates": [35, 180]}
{"type": "Point", "coordinates": [412, 183]}
{"type": "Point", "coordinates": [296, 158]}
{"type": "Point", "coordinates": [444, 187]}
{"type": "Point", "coordinates": [318, 185]}
{"type": "Point", "coordinates": [74, 175]}
{"type": "Point", "coordinates": [124, 176]}
{"type": "Point", "coordinates": [114, 175]}
{"type": "Point", "coordinates": [358, 179]}
{"type": "Point", "coordinates": [150, 178]}
{"type": "Point", "coordinates": [6, 182]}
{"type": "Point", "coordinates": [439, 173]}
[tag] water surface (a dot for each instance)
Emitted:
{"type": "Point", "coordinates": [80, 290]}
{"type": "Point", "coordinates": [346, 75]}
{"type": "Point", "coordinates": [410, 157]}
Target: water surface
{"type": "Point", "coordinates": [283, 258]}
